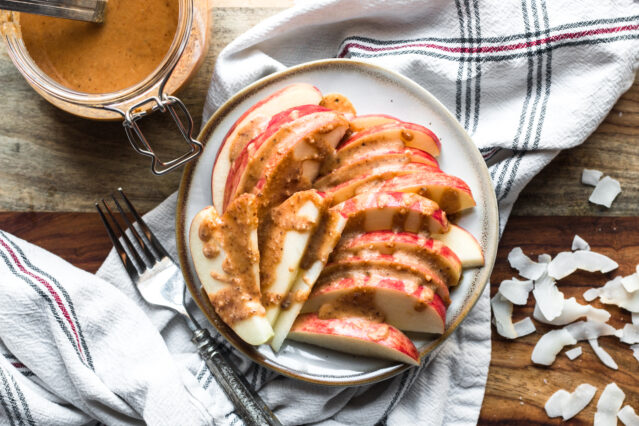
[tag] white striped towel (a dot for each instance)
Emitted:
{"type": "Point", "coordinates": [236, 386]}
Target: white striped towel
{"type": "Point", "coordinates": [526, 78]}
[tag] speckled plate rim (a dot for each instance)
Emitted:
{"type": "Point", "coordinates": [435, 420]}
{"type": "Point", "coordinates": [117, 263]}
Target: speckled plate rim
{"type": "Point", "coordinates": [489, 237]}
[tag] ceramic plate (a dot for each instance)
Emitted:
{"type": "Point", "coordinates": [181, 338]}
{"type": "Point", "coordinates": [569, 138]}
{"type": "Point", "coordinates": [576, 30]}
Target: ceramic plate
{"type": "Point", "coordinates": [372, 89]}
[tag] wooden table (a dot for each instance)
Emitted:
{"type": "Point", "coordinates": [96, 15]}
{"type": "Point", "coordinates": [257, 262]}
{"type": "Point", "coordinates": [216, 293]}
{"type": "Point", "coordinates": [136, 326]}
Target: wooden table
{"type": "Point", "coordinates": [53, 166]}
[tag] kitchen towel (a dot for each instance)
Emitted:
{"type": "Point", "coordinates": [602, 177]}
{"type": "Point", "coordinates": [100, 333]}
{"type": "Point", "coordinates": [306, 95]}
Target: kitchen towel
{"type": "Point", "coordinates": [526, 79]}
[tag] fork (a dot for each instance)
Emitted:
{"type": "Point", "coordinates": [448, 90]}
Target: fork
{"type": "Point", "coordinates": [159, 281]}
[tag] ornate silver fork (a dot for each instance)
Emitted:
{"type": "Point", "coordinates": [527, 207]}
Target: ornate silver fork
{"type": "Point", "coordinates": [159, 281]}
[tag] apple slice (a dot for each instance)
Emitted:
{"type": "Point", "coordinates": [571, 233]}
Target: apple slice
{"type": "Point", "coordinates": [297, 160]}
{"type": "Point", "coordinates": [396, 135]}
{"type": "Point", "coordinates": [430, 251]}
{"type": "Point", "coordinates": [352, 156]}
{"type": "Point", "coordinates": [387, 210]}
{"type": "Point", "coordinates": [340, 103]}
{"type": "Point", "coordinates": [357, 336]}
{"type": "Point", "coordinates": [450, 192]}
{"type": "Point", "coordinates": [373, 164]}
{"type": "Point", "coordinates": [364, 122]}
{"type": "Point", "coordinates": [463, 244]}
{"type": "Point", "coordinates": [226, 260]}
{"type": "Point", "coordinates": [399, 261]}
{"type": "Point", "coordinates": [289, 231]}
{"type": "Point", "coordinates": [251, 124]}
{"type": "Point", "coordinates": [400, 303]}
{"type": "Point", "coordinates": [283, 129]}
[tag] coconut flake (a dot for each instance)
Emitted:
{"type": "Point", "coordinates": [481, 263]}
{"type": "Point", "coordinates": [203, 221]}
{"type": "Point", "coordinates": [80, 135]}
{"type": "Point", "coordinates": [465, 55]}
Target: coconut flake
{"type": "Point", "coordinates": [579, 243]}
{"type": "Point", "coordinates": [604, 356]}
{"type": "Point", "coordinates": [526, 267]}
{"type": "Point", "coordinates": [574, 353]}
{"type": "Point", "coordinates": [635, 318]}
{"type": "Point", "coordinates": [591, 177]}
{"type": "Point", "coordinates": [524, 327]}
{"type": "Point", "coordinates": [546, 258]}
{"type": "Point", "coordinates": [566, 262]}
{"type": "Point", "coordinates": [586, 330]}
{"type": "Point", "coordinates": [578, 400]}
{"type": "Point", "coordinates": [628, 417]}
{"type": "Point", "coordinates": [572, 311]}
{"type": "Point", "coordinates": [550, 344]}
{"type": "Point", "coordinates": [629, 334]}
{"type": "Point", "coordinates": [605, 192]}
{"type": "Point", "coordinates": [516, 291]}
{"type": "Point", "coordinates": [502, 313]}
{"type": "Point", "coordinates": [550, 300]}
{"type": "Point", "coordinates": [554, 405]}
{"type": "Point", "coordinates": [614, 293]}
{"type": "Point", "coordinates": [608, 405]}
{"type": "Point", "coordinates": [635, 351]}
{"type": "Point", "coordinates": [591, 294]}
{"type": "Point", "coordinates": [631, 282]}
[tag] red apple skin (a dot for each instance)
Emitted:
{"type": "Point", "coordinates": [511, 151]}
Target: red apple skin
{"type": "Point", "coordinates": [357, 328]}
{"type": "Point", "coordinates": [388, 242]}
{"type": "Point", "coordinates": [422, 297]}
{"type": "Point", "coordinates": [346, 157]}
{"type": "Point", "coordinates": [252, 149]}
{"type": "Point", "coordinates": [433, 219]}
{"type": "Point", "coordinates": [363, 122]}
{"type": "Point", "coordinates": [406, 132]}
{"type": "Point", "coordinates": [224, 151]}
{"type": "Point", "coordinates": [456, 193]}
{"type": "Point", "coordinates": [388, 262]}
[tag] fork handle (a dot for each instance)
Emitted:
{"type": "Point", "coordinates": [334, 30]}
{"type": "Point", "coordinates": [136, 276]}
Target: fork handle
{"type": "Point", "coordinates": [250, 407]}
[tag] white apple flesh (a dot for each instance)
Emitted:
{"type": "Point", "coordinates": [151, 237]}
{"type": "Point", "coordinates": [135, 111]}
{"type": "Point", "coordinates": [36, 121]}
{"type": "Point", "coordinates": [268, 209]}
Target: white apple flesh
{"type": "Point", "coordinates": [254, 329]}
{"type": "Point", "coordinates": [252, 123]}
{"type": "Point", "coordinates": [463, 244]}
{"type": "Point", "coordinates": [356, 336]}
{"type": "Point", "coordinates": [364, 122]}
{"type": "Point", "coordinates": [287, 245]}
{"type": "Point", "coordinates": [403, 304]}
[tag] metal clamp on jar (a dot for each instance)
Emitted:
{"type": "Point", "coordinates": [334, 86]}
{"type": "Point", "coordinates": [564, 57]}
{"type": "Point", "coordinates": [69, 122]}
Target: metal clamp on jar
{"type": "Point", "coordinates": [131, 104]}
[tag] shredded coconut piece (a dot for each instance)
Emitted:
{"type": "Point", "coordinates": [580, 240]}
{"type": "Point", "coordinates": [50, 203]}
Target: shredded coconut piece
{"type": "Point", "coordinates": [554, 405]}
{"type": "Point", "coordinates": [524, 327]}
{"type": "Point", "coordinates": [565, 263]}
{"type": "Point", "coordinates": [631, 282]}
{"type": "Point", "coordinates": [604, 356]}
{"type": "Point", "coordinates": [516, 291]}
{"type": "Point", "coordinates": [635, 351]}
{"type": "Point", "coordinates": [572, 311]}
{"type": "Point", "coordinates": [503, 312]}
{"type": "Point", "coordinates": [608, 405]}
{"type": "Point", "coordinates": [629, 334]}
{"type": "Point", "coordinates": [628, 417]}
{"type": "Point", "coordinates": [526, 267]}
{"type": "Point", "coordinates": [550, 300]}
{"type": "Point", "coordinates": [578, 400]}
{"type": "Point", "coordinates": [579, 243]}
{"type": "Point", "coordinates": [635, 318]}
{"type": "Point", "coordinates": [550, 344]}
{"type": "Point", "coordinates": [574, 353]}
{"type": "Point", "coordinates": [591, 177]}
{"type": "Point", "coordinates": [605, 192]}
{"type": "Point", "coordinates": [614, 293]}
{"type": "Point", "coordinates": [586, 330]}
{"type": "Point", "coordinates": [546, 258]}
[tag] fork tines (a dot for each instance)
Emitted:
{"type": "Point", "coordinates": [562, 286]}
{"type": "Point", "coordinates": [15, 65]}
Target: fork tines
{"type": "Point", "coordinates": [138, 253]}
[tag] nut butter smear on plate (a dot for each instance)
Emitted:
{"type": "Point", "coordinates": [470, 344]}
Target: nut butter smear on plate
{"type": "Point", "coordinates": [103, 58]}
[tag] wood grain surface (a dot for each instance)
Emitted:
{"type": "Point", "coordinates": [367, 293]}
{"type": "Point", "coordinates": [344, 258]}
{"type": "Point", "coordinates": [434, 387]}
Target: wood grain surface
{"type": "Point", "coordinates": [516, 390]}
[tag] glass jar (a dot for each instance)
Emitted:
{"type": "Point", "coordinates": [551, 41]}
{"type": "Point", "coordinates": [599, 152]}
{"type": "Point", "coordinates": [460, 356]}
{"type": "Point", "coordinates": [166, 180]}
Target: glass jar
{"type": "Point", "coordinates": [154, 93]}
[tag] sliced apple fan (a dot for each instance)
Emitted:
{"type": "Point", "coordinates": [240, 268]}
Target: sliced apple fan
{"type": "Point", "coordinates": [574, 353]}
{"type": "Point", "coordinates": [591, 177]}
{"type": "Point", "coordinates": [567, 405]}
{"type": "Point", "coordinates": [609, 405]}
{"type": "Point", "coordinates": [628, 416]}
{"type": "Point", "coordinates": [605, 192]}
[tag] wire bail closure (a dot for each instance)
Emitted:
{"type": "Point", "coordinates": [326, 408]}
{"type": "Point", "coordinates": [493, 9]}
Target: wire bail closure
{"type": "Point", "coordinates": [141, 144]}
